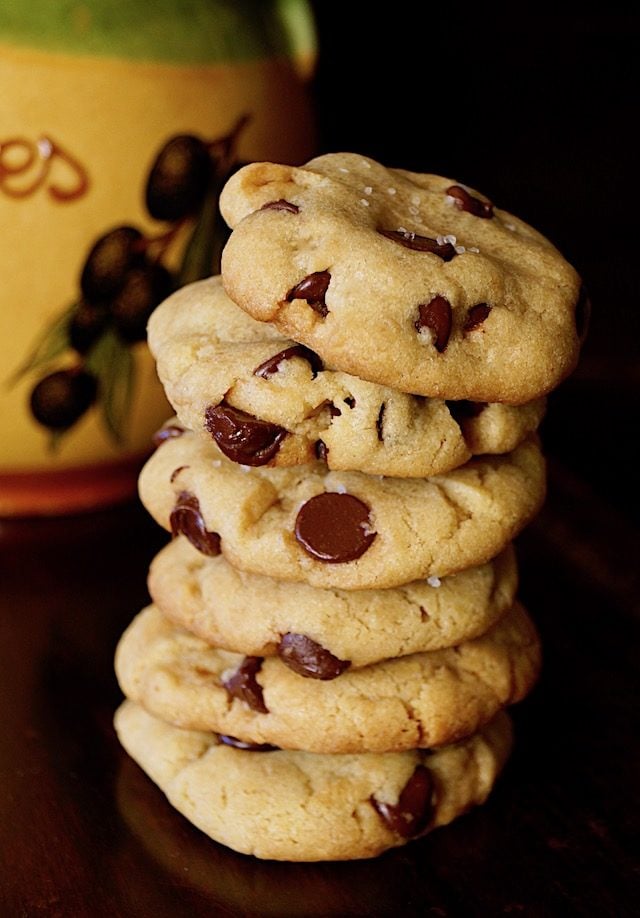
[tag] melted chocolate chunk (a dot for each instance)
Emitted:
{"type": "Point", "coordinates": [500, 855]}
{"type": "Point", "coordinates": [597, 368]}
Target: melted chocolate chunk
{"type": "Point", "coordinates": [436, 315]}
{"type": "Point", "coordinates": [242, 437]}
{"type": "Point", "coordinates": [464, 409]}
{"type": "Point", "coordinates": [476, 316]}
{"type": "Point", "coordinates": [310, 659]}
{"type": "Point", "coordinates": [333, 411]}
{"type": "Point", "coordinates": [271, 366]}
{"type": "Point", "coordinates": [582, 313]}
{"type": "Point", "coordinates": [443, 250]}
{"type": "Point", "coordinates": [321, 450]}
{"type": "Point", "coordinates": [281, 204]}
{"type": "Point", "coordinates": [246, 746]}
{"type": "Point", "coordinates": [465, 201]}
{"type": "Point", "coordinates": [412, 813]}
{"type": "Point", "coordinates": [186, 519]}
{"type": "Point", "coordinates": [334, 528]}
{"type": "Point", "coordinates": [380, 421]}
{"type": "Point", "coordinates": [312, 289]}
{"type": "Point", "coordinates": [244, 685]}
{"type": "Point", "coordinates": [166, 433]}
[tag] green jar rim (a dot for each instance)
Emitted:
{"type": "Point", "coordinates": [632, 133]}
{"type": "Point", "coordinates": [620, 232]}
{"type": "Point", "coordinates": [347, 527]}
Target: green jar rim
{"type": "Point", "coordinates": [168, 31]}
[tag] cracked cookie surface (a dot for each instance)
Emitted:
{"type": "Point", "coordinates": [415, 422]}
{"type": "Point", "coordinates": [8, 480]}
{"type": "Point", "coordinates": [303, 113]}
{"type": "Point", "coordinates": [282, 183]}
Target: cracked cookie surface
{"type": "Point", "coordinates": [251, 614]}
{"type": "Point", "coordinates": [422, 700]}
{"type": "Point", "coordinates": [407, 280]}
{"type": "Point", "coordinates": [230, 377]}
{"type": "Point", "coordinates": [342, 530]}
{"type": "Point", "coordinates": [297, 806]}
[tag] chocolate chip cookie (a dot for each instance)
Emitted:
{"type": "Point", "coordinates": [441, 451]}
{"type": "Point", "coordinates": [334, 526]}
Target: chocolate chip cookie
{"type": "Point", "coordinates": [427, 699]}
{"type": "Point", "coordinates": [412, 281]}
{"type": "Point", "coordinates": [341, 530]}
{"type": "Point", "coordinates": [297, 806]}
{"type": "Point", "coordinates": [266, 400]}
{"type": "Point", "coordinates": [320, 633]}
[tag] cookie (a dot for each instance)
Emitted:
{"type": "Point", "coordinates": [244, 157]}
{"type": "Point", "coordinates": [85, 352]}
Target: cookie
{"type": "Point", "coordinates": [297, 806]}
{"type": "Point", "coordinates": [341, 529]}
{"type": "Point", "coordinates": [320, 633]}
{"type": "Point", "coordinates": [411, 281]}
{"type": "Point", "coordinates": [267, 401]}
{"type": "Point", "coordinates": [427, 699]}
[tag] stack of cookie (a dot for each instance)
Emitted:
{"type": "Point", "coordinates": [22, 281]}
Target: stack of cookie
{"type": "Point", "coordinates": [335, 633]}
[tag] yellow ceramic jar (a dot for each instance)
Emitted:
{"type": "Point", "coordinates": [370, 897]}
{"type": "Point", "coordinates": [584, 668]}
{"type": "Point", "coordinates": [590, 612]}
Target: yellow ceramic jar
{"type": "Point", "coordinates": [119, 120]}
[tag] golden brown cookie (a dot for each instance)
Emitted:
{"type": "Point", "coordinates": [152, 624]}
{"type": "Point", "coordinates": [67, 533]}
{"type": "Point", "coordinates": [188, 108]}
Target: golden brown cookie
{"type": "Point", "coordinates": [342, 529]}
{"type": "Point", "coordinates": [411, 281]}
{"type": "Point", "coordinates": [319, 633]}
{"type": "Point", "coordinates": [426, 699]}
{"type": "Point", "coordinates": [266, 400]}
{"type": "Point", "coordinates": [297, 806]}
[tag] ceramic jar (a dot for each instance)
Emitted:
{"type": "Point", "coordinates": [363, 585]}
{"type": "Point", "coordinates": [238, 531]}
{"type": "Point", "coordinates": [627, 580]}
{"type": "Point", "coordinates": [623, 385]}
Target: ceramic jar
{"type": "Point", "coordinates": [119, 121]}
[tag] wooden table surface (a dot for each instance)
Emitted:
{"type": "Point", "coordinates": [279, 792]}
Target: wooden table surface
{"type": "Point", "coordinates": [83, 832]}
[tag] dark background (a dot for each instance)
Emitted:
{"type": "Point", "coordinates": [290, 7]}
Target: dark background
{"type": "Point", "coordinates": [540, 112]}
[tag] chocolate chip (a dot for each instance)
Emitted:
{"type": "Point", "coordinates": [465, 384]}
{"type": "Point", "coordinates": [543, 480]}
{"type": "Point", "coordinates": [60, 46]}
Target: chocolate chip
{"type": "Point", "coordinates": [582, 313]}
{"type": "Point", "coordinates": [312, 289]}
{"type": "Point", "coordinates": [463, 409]}
{"type": "Point", "coordinates": [244, 685]}
{"type": "Point", "coordinates": [444, 250]}
{"type": "Point", "coordinates": [380, 421]}
{"type": "Point", "coordinates": [436, 315]}
{"type": "Point", "coordinates": [310, 659]}
{"type": "Point", "coordinates": [476, 316]}
{"type": "Point", "coordinates": [166, 433]}
{"type": "Point", "coordinates": [350, 401]}
{"type": "Point", "coordinates": [334, 527]}
{"type": "Point", "coordinates": [271, 366]}
{"type": "Point", "coordinates": [281, 204]}
{"type": "Point", "coordinates": [333, 411]}
{"type": "Point", "coordinates": [465, 201]}
{"type": "Point", "coordinates": [242, 437]}
{"type": "Point", "coordinates": [321, 450]}
{"type": "Point", "coordinates": [411, 814]}
{"type": "Point", "coordinates": [246, 746]}
{"type": "Point", "coordinates": [186, 519]}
